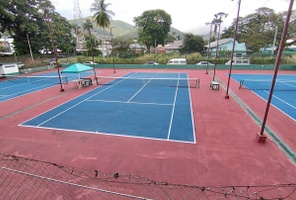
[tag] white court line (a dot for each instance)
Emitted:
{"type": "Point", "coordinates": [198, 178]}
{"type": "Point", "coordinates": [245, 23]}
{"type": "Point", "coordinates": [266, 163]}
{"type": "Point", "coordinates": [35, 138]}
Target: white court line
{"type": "Point", "coordinates": [281, 100]}
{"type": "Point", "coordinates": [110, 134]}
{"type": "Point", "coordinates": [138, 91]}
{"type": "Point", "coordinates": [62, 104]}
{"type": "Point", "coordinates": [24, 83]}
{"type": "Point", "coordinates": [3, 88]}
{"type": "Point", "coordinates": [266, 99]}
{"type": "Point", "coordinates": [192, 117]}
{"type": "Point", "coordinates": [290, 85]}
{"type": "Point", "coordinates": [133, 102]}
{"type": "Point", "coordinates": [77, 104]}
{"type": "Point", "coordinates": [35, 89]}
{"type": "Point", "coordinates": [173, 108]}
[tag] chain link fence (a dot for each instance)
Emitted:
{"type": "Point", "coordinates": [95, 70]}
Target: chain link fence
{"type": "Point", "coordinates": [28, 179]}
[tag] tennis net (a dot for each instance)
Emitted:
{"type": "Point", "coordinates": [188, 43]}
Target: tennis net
{"type": "Point", "coordinates": [265, 84]}
{"type": "Point", "coordinates": [36, 79]}
{"type": "Point", "coordinates": [149, 81]}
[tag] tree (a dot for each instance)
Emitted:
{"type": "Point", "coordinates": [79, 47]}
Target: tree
{"type": "Point", "coordinates": [192, 43]}
{"type": "Point", "coordinates": [292, 24]}
{"type": "Point", "coordinates": [102, 14]}
{"type": "Point", "coordinates": [257, 30]}
{"type": "Point", "coordinates": [88, 26]}
{"type": "Point", "coordinates": [153, 27]}
{"type": "Point", "coordinates": [122, 47]}
{"type": "Point", "coordinates": [19, 21]}
{"type": "Point", "coordinates": [61, 31]}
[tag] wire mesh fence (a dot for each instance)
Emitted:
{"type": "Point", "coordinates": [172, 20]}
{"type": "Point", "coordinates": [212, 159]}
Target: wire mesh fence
{"type": "Point", "coordinates": [22, 178]}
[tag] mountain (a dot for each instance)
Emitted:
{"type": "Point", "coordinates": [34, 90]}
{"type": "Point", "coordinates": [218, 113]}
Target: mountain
{"type": "Point", "coordinates": [120, 29]}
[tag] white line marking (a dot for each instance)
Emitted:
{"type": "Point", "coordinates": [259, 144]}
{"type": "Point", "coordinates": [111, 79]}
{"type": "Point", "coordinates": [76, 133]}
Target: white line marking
{"type": "Point", "coordinates": [192, 117]}
{"type": "Point", "coordinates": [284, 103]}
{"type": "Point", "coordinates": [111, 134]}
{"type": "Point", "coordinates": [138, 91]}
{"type": "Point", "coordinates": [77, 104]}
{"type": "Point", "coordinates": [132, 102]}
{"type": "Point", "coordinates": [173, 108]}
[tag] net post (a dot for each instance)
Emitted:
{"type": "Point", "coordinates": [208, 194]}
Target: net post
{"type": "Point", "coordinates": [241, 83]}
{"type": "Point", "coordinates": [65, 79]}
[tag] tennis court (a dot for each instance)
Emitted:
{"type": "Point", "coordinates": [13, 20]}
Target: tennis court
{"type": "Point", "coordinates": [44, 126]}
{"type": "Point", "coordinates": [16, 86]}
{"type": "Point", "coordinates": [284, 94]}
{"type": "Point", "coordinates": [143, 105]}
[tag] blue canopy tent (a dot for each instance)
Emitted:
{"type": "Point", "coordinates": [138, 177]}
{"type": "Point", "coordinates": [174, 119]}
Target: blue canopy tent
{"type": "Point", "coordinates": [77, 68]}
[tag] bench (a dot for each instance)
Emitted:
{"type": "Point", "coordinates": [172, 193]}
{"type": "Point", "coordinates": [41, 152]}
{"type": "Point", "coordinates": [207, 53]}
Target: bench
{"type": "Point", "coordinates": [82, 82]}
{"type": "Point", "coordinates": [215, 85]}
{"type": "Point", "coordinates": [86, 82]}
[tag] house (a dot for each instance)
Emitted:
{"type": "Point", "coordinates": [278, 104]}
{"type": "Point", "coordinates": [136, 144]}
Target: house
{"type": "Point", "coordinates": [174, 47]}
{"type": "Point", "coordinates": [137, 48]}
{"type": "Point", "coordinates": [226, 44]}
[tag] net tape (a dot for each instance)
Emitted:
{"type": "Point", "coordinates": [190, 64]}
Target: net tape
{"type": "Point", "coordinates": [150, 81]}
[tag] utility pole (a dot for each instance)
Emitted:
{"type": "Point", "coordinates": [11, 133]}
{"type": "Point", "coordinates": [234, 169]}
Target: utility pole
{"type": "Point", "coordinates": [218, 21]}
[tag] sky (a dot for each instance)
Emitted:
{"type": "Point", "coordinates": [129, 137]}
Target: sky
{"type": "Point", "coordinates": [187, 15]}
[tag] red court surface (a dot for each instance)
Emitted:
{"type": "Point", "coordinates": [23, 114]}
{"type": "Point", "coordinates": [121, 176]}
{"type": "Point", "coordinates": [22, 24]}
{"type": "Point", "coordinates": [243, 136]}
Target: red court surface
{"type": "Point", "coordinates": [226, 150]}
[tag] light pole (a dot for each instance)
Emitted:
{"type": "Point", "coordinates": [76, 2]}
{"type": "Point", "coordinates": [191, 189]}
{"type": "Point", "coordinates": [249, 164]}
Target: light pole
{"type": "Point", "coordinates": [54, 49]}
{"type": "Point", "coordinates": [208, 53]}
{"type": "Point", "coordinates": [233, 47]}
{"type": "Point", "coordinates": [274, 40]}
{"type": "Point", "coordinates": [218, 21]}
{"type": "Point", "coordinates": [30, 49]}
{"type": "Point", "coordinates": [261, 136]}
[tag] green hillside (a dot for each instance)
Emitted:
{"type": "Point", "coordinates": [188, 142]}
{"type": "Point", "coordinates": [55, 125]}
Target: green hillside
{"type": "Point", "coordinates": [121, 29]}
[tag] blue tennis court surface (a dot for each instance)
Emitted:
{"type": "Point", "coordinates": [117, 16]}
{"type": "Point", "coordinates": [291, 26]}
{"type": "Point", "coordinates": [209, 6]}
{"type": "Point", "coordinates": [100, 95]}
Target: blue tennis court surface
{"type": "Point", "coordinates": [128, 107]}
{"type": "Point", "coordinates": [22, 85]}
{"type": "Point", "coordinates": [284, 94]}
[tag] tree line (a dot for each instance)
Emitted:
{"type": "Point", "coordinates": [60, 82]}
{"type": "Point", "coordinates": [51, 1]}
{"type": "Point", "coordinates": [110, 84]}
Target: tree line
{"type": "Point", "coordinates": [26, 20]}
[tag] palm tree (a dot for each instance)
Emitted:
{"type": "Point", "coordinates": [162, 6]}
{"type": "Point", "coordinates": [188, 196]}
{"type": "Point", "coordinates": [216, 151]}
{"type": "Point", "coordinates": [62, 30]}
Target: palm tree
{"type": "Point", "coordinates": [102, 14]}
{"type": "Point", "coordinates": [88, 25]}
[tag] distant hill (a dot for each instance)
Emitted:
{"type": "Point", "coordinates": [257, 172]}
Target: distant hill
{"type": "Point", "coordinates": [121, 29]}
